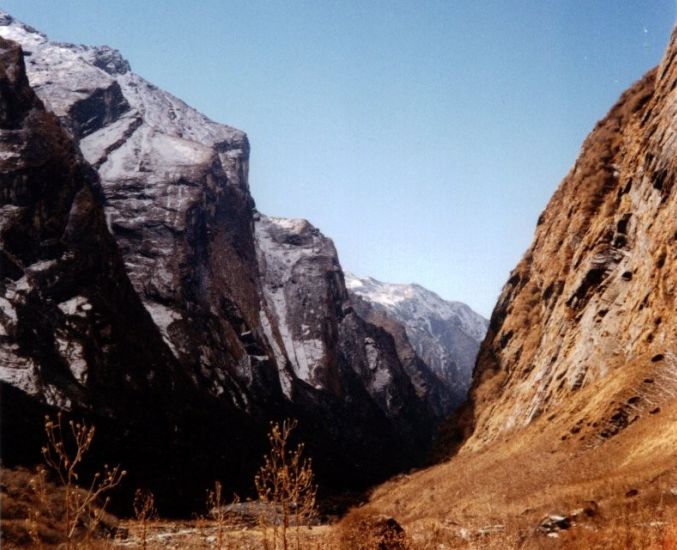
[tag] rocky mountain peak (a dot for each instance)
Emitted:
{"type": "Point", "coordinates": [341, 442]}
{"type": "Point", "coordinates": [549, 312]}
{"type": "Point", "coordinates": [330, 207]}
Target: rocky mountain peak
{"type": "Point", "coordinates": [446, 335]}
{"type": "Point", "coordinates": [7, 20]}
{"type": "Point", "coordinates": [109, 60]}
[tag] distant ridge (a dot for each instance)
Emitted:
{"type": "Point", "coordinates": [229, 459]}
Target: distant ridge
{"type": "Point", "coordinates": [446, 335]}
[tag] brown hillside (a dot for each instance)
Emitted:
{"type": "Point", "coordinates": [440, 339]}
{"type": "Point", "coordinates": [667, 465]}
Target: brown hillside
{"type": "Point", "coordinates": [574, 399]}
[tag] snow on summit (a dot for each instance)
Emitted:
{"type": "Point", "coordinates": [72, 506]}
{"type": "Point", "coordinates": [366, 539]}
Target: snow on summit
{"type": "Point", "coordinates": [414, 299]}
{"type": "Point", "coordinates": [446, 335]}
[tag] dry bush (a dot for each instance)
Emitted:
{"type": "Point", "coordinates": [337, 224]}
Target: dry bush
{"type": "Point", "coordinates": [217, 509]}
{"type": "Point", "coordinates": [363, 529]}
{"type": "Point", "coordinates": [222, 514]}
{"type": "Point", "coordinates": [144, 511]}
{"type": "Point", "coordinates": [285, 488]}
{"type": "Point", "coordinates": [76, 511]}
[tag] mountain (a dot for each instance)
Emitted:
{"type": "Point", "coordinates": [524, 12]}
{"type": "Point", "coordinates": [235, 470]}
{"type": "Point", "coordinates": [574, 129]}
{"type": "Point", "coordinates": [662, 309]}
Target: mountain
{"type": "Point", "coordinates": [591, 306]}
{"type": "Point", "coordinates": [74, 334]}
{"type": "Point", "coordinates": [315, 331]}
{"type": "Point", "coordinates": [175, 197]}
{"type": "Point", "coordinates": [445, 335]}
{"type": "Point", "coordinates": [187, 310]}
{"type": "Point", "coordinates": [573, 404]}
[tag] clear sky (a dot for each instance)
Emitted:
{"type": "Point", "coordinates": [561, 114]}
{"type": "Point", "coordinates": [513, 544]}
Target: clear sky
{"type": "Point", "coordinates": [424, 137]}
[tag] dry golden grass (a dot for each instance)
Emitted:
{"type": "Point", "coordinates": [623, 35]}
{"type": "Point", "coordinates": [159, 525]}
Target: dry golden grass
{"type": "Point", "coordinates": [645, 531]}
{"type": "Point", "coordinates": [204, 534]}
{"type": "Point", "coordinates": [497, 495]}
{"type": "Point", "coordinates": [364, 529]}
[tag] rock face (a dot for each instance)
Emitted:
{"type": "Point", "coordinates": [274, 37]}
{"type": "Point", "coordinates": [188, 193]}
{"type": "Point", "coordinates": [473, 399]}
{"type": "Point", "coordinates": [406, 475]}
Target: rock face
{"type": "Point", "coordinates": [177, 313]}
{"type": "Point", "coordinates": [320, 337]}
{"type": "Point", "coordinates": [591, 306]}
{"type": "Point", "coordinates": [176, 200]}
{"type": "Point", "coordinates": [74, 334]}
{"type": "Point", "coordinates": [65, 296]}
{"type": "Point", "coordinates": [445, 335]}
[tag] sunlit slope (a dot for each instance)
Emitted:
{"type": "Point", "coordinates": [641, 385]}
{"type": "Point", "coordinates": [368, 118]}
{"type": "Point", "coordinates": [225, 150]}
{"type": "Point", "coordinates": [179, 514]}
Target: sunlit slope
{"type": "Point", "coordinates": [574, 395]}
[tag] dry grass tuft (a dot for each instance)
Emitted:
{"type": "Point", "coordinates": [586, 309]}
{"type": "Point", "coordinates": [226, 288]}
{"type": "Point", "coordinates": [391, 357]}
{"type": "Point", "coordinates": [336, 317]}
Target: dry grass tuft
{"type": "Point", "coordinates": [57, 505]}
{"type": "Point", "coordinates": [83, 507]}
{"type": "Point", "coordinates": [144, 512]}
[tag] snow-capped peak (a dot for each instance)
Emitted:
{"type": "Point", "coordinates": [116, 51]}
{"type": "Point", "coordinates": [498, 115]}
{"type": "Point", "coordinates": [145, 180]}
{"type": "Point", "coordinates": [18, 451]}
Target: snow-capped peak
{"type": "Point", "coordinates": [413, 299]}
{"type": "Point", "coordinates": [446, 335]}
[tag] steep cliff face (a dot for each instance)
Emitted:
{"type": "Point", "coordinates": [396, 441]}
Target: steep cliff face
{"type": "Point", "coordinates": [327, 344]}
{"type": "Point", "coordinates": [304, 294]}
{"type": "Point", "coordinates": [65, 297]}
{"type": "Point", "coordinates": [176, 201]}
{"type": "Point", "coordinates": [592, 303]}
{"type": "Point", "coordinates": [445, 335]}
{"type": "Point", "coordinates": [249, 338]}
{"type": "Point", "coordinates": [74, 335]}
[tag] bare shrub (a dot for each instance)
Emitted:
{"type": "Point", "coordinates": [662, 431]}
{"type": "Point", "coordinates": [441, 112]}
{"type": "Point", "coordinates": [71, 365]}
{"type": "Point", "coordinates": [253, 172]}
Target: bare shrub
{"type": "Point", "coordinates": [221, 513]}
{"type": "Point", "coordinates": [81, 510]}
{"type": "Point", "coordinates": [144, 511]}
{"type": "Point", "coordinates": [285, 488]}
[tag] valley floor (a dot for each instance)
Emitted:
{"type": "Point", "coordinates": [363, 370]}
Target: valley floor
{"type": "Point", "coordinates": [559, 483]}
{"type": "Point", "coordinates": [639, 531]}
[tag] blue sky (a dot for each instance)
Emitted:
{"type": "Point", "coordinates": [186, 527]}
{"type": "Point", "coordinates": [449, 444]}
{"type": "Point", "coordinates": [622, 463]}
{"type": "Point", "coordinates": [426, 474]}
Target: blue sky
{"type": "Point", "coordinates": [424, 137]}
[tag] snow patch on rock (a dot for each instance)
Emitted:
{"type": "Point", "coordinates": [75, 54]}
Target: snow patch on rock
{"type": "Point", "coordinates": [77, 305]}
{"type": "Point", "coordinates": [18, 371]}
{"type": "Point", "coordinates": [73, 354]}
{"type": "Point", "coordinates": [163, 317]}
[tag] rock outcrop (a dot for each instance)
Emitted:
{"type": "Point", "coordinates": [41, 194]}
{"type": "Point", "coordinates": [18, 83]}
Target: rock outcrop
{"type": "Point", "coordinates": [66, 299]}
{"type": "Point", "coordinates": [445, 335]}
{"type": "Point", "coordinates": [325, 343]}
{"type": "Point", "coordinates": [176, 201]}
{"type": "Point", "coordinates": [197, 330]}
{"type": "Point", "coordinates": [591, 306]}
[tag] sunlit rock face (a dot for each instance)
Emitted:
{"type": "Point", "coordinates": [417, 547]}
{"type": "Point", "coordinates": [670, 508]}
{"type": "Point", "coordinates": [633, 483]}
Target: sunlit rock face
{"type": "Point", "coordinates": [65, 299]}
{"type": "Point", "coordinates": [247, 318]}
{"type": "Point", "coordinates": [589, 313]}
{"type": "Point", "coordinates": [176, 201]}
{"type": "Point", "coordinates": [323, 340]}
